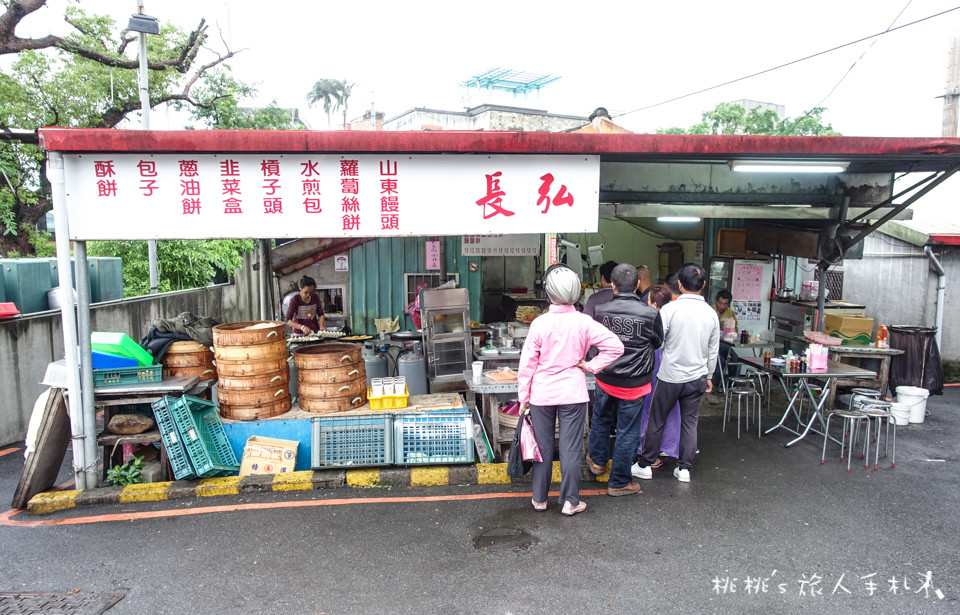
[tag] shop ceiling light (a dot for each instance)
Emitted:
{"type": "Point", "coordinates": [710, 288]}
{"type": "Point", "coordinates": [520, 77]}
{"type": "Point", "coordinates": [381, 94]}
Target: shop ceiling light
{"type": "Point", "coordinates": [678, 219]}
{"type": "Point", "coordinates": [784, 166]}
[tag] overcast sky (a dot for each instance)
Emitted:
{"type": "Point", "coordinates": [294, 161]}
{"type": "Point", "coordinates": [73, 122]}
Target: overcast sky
{"type": "Point", "coordinates": [621, 55]}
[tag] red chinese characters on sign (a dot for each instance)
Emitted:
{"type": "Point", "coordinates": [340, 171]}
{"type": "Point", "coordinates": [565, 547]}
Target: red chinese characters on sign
{"type": "Point", "coordinates": [272, 204]}
{"type": "Point", "coordinates": [310, 186]}
{"type": "Point", "coordinates": [389, 196]}
{"type": "Point", "coordinates": [104, 170]}
{"type": "Point", "coordinates": [230, 183]}
{"type": "Point", "coordinates": [189, 187]}
{"type": "Point", "coordinates": [147, 170]}
{"type": "Point", "coordinates": [493, 200]}
{"type": "Point", "coordinates": [350, 184]}
{"type": "Point", "coordinates": [562, 197]}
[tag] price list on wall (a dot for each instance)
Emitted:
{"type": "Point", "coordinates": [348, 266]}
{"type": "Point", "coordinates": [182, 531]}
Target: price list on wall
{"type": "Point", "coordinates": [747, 291]}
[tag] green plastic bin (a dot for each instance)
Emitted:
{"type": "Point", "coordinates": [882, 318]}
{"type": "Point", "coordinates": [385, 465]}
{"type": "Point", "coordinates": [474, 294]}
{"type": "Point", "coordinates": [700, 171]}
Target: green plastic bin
{"type": "Point", "coordinates": [119, 344]}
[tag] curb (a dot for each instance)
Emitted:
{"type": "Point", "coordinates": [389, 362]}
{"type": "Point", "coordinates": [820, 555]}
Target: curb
{"type": "Point", "coordinates": [307, 480]}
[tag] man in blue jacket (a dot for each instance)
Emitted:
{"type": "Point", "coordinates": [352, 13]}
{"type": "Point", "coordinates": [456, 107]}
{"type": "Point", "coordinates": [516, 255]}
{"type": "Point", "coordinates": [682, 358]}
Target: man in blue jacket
{"type": "Point", "coordinates": [623, 385]}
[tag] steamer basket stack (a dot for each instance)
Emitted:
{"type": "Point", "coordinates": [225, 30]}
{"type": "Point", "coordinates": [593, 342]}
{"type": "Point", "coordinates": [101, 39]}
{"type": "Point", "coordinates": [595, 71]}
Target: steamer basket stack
{"type": "Point", "coordinates": [251, 362]}
{"type": "Point", "coordinates": [332, 377]}
{"type": "Point", "coordinates": [191, 359]}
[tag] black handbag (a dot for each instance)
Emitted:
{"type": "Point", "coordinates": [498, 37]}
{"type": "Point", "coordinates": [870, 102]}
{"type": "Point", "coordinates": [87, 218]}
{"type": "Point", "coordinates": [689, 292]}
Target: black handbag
{"type": "Point", "coordinates": [516, 466]}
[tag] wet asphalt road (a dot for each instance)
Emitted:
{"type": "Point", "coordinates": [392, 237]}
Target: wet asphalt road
{"type": "Point", "coordinates": [761, 529]}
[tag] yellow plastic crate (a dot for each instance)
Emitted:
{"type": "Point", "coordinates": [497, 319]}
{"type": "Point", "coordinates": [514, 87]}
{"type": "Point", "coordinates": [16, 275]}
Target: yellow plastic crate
{"type": "Point", "coordinates": [388, 402]}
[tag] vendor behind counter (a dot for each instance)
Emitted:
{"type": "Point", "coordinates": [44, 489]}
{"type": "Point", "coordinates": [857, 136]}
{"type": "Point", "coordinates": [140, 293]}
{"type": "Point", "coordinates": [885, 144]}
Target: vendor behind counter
{"type": "Point", "coordinates": [305, 312]}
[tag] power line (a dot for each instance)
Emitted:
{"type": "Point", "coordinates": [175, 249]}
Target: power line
{"type": "Point", "coordinates": [763, 72]}
{"type": "Point", "coordinates": [849, 70]}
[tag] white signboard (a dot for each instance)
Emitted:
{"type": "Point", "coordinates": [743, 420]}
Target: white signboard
{"type": "Point", "coordinates": [198, 196]}
{"type": "Point", "coordinates": [500, 245]}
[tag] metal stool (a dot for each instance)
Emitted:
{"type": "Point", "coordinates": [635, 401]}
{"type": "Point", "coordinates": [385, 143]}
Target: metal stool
{"type": "Point", "coordinates": [763, 387]}
{"type": "Point", "coordinates": [879, 411]}
{"type": "Point", "coordinates": [858, 398]}
{"type": "Point", "coordinates": [746, 395]}
{"type": "Point", "coordinates": [850, 418]}
{"type": "Point", "coordinates": [729, 383]}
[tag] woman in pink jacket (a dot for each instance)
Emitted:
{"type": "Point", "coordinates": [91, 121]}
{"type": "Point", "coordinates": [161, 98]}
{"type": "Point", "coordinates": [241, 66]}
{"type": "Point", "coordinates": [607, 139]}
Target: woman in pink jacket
{"type": "Point", "coordinates": [552, 384]}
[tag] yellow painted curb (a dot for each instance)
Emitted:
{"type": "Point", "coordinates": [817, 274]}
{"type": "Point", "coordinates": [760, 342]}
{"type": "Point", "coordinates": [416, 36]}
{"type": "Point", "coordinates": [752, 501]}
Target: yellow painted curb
{"type": "Point", "coordinates": [368, 477]}
{"type": "Point", "coordinates": [145, 492]}
{"type": "Point", "coordinates": [493, 474]}
{"type": "Point", "coordinates": [555, 477]}
{"type": "Point", "coordinates": [294, 481]}
{"type": "Point", "coordinates": [52, 501]}
{"type": "Point", "coordinates": [224, 485]}
{"type": "Point", "coordinates": [429, 477]}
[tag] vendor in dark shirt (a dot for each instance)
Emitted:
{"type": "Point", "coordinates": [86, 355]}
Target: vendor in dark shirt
{"type": "Point", "coordinates": [305, 312]}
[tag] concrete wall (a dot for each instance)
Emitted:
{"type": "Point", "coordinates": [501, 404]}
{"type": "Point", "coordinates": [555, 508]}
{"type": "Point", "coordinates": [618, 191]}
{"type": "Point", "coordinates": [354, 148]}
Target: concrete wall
{"type": "Point", "coordinates": [29, 343]}
{"type": "Point", "coordinates": [899, 287]}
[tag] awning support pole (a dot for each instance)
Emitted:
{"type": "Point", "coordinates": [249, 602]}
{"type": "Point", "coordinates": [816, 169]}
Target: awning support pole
{"type": "Point", "coordinates": [68, 317]}
{"type": "Point", "coordinates": [86, 363]}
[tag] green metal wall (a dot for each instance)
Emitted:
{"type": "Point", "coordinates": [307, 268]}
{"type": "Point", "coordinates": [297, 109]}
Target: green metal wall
{"type": "Point", "coordinates": [376, 278]}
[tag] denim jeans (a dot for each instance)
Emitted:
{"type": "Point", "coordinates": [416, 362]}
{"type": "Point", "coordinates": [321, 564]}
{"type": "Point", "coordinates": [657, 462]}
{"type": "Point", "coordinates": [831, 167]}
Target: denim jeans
{"type": "Point", "coordinates": [623, 416]}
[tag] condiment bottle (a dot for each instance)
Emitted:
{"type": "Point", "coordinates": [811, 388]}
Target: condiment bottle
{"type": "Point", "coordinates": [883, 337]}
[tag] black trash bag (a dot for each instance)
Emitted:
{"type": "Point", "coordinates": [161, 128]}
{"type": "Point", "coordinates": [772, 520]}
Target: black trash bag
{"type": "Point", "coordinates": [919, 365]}
{"type": "Point", "coordinates": [516, 466]}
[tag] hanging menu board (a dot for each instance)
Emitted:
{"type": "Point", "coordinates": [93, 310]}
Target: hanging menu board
{"type": "Point", "coordinates": [747, 283]}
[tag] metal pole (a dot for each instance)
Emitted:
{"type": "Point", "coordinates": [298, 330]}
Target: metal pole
{"type": "Point", "coordinates": [86, 361]}
{"type": "Point", "coordinates": [263, 284]}
{"type": "Point", "coordinates": [821, 295]}
{"type": "Point", "coordinates": [145, 124]}
{"type": "Point", "coordinates": [941, 290]}
{"type": "Point", "coordinates": [68, 317]}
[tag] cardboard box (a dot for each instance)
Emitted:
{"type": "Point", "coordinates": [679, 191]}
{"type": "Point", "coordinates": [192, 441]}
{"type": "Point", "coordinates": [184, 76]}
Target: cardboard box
{"type": "Point", "coordinates": [851, 329]}
{"type": "Point", "coordinates": [268, 456]}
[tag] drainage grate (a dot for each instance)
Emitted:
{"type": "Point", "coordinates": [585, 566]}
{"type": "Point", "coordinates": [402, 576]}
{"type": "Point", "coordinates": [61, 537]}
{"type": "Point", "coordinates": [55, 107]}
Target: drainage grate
{"type": "Point", "coordinates": [75, 603]}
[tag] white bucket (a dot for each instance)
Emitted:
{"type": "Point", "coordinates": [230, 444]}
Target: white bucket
{"type": "Point", "coordinates": [901, 413]}
{"type": "Point", "coordinates": [916, 398]}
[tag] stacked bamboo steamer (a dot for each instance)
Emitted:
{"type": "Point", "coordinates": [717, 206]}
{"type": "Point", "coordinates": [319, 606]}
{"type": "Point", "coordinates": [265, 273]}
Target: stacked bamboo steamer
{"type": "Point", "coordinates": [191, 359]}
{"type": "Point", "coordinates": [331, 377]}
{"type": "Point", "coordinates": [252, 370]}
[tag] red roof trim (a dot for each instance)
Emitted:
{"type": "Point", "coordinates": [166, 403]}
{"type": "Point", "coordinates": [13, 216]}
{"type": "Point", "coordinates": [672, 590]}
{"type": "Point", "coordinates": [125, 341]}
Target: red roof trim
{"type": "Point", "coordinates": [947, 239]}
{"type": "Point", "coordinates": [613, 145]}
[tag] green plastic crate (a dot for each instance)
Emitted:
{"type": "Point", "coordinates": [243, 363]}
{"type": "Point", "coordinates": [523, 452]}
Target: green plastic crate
{"type": "Point", "coordinates": [203, 436]}
{"type": "Point", "coordinates": [119, 344]}
{"type": "Point", "coordinates": [172, 442]}
{"type": "Point", "coordinates": [127, 375]}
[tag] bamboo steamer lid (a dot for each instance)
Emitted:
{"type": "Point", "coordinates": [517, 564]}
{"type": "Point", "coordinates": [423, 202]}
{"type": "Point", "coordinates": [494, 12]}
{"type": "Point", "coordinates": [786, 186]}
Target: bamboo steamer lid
{"type": "Point", "coordinates": [252, 368]}
{"type": "Point", "coordinates": [245, 383]}
{"type": "Point", "coordinates": [185, 346]}
{"type": "Point", "coordinates": [248, 333]}
{"type": "Point", "coordinates": [255, 412]}
{"type": "Point", "coordinates": [203, 372]}
{"type": "Point", "coordinates": [346, 373]}
{"type": "Point", "coordinates": [333, 405]}
{"type": "Point", "coordinates": [337, 389]}
{"type": "Point", "coordinates": [253, 397]}
{"type": "Point", "coordinates": [324, 356]}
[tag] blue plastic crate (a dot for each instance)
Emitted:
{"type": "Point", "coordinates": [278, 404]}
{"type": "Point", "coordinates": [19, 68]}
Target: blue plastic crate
{"type": "Point", "coordinates": [351, 441]}
{"type": "Point", "coordinates": [202, 434]}
{"type": "Point", "coordinates": [172, 441]}
{"type": "Point", "coordinates": [435, 437]}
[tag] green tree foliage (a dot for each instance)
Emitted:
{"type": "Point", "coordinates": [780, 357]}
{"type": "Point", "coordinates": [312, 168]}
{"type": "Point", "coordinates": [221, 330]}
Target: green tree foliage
{"type": "Point", "coordinates": [180, 263]}
{"type": "Point", "coordinates": [89, 79]}
{"type": "Point", "coordinates": [734, 119]}
{"type": "Point", "coordinates": [334, 94]}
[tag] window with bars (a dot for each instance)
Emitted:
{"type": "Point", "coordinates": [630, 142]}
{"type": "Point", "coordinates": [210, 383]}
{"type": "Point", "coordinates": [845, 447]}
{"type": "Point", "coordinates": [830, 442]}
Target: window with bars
{"type": "Point", "coordinates": [834, 282]}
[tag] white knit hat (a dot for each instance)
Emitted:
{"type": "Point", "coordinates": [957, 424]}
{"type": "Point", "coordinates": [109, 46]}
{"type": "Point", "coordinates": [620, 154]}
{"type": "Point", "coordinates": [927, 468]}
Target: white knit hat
{"type": "Point", "coordinates": [562, 285]}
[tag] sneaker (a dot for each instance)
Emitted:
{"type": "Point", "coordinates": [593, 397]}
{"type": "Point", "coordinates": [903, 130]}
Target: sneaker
{"type": "Point", "coordinates": [595, 468]}
{"type": "Point", "coordinates": [639, 471]}
{"type": "Point", "coordinates": [683, 475]}
{"type": "Point", "coordinates": [628, 489]}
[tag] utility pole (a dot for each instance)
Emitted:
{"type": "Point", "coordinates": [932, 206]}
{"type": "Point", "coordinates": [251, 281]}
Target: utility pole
{"type": "Point", "coordinates": [950, 98]}
{"type": "Point", "coordinates": [144, 24]}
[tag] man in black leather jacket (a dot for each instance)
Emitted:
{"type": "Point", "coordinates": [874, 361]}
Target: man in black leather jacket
{"type": "Point", "coordinates": [623, 385]}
